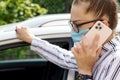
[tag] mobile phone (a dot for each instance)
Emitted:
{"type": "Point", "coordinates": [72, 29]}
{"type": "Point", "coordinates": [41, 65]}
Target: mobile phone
{"type": "Point", "coordinates": [102, 30]}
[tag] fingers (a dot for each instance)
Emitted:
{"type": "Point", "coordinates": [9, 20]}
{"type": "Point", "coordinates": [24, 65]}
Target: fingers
{"type": "Point", "coordinates": [99, 51]}
{"type": "Point", "coordinates": [24, 34]}
{"type": "Point", "coordinates": [79, 47]}
{"type": "Point", "coordinates": [75, 53]}
{"type": "Point", "coordinates": [84, 47]}
{"type": "Point", "coordinates": [85, 44]}
{"type": "Point", "coordinates": [96, 42]}
{"type": "Point", "coordinates": [20, 28]}
{"type": "Point", "coordinates": [96, 48]}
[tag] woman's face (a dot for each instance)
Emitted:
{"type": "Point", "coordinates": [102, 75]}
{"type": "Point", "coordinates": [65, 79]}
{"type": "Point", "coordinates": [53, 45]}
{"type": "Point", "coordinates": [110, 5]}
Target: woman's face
{"type": "Point", "coordinates": [78, 12]}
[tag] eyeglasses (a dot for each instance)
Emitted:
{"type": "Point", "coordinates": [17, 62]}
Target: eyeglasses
{"type": "Point", "coordinates": [76, 26]}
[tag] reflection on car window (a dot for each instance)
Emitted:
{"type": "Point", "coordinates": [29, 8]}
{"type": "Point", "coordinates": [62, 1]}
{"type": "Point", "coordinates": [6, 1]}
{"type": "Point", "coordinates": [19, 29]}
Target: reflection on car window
{"type": "Point", "coordinates": [24, 52]}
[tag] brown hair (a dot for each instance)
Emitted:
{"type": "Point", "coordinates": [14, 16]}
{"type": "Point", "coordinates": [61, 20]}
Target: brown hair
{"type": "Point", "coordinates": [101, 8]}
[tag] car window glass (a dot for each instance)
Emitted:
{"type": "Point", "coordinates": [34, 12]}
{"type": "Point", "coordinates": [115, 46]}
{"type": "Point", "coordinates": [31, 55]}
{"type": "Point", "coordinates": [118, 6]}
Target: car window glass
{"type": "Point", "coordinates": [24, 52]}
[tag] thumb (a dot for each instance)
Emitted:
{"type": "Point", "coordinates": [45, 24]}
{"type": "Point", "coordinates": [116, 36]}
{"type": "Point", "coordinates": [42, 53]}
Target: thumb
{"type": "Point", "coordinates": [99, 51]}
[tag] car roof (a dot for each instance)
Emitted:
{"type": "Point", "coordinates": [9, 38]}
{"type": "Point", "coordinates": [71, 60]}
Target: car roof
{"type": "Point", "coordinates": [41, 26]}
{"type": "Point", "coordinates": [43, 33]}
{"type": "Point", "coordinates": [37, 21]}
{"type": "Point", "coordinates": [45, 26]}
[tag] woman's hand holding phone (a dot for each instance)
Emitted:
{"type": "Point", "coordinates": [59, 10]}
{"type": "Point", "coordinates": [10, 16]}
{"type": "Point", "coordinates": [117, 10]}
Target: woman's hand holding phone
{"type": "Point", "coordinates": [85, 55]}
{"type": "Point", "coordinates": [88, 50]}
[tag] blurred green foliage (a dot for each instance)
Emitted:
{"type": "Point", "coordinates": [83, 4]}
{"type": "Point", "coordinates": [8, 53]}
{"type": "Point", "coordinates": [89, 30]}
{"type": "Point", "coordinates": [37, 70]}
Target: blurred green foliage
{"type": "Point", "coordinates": [18, 53]}
{"type": "Point", "coordinates": [55, 6]}
{"type": "Point", "coordinates": [12, 11]}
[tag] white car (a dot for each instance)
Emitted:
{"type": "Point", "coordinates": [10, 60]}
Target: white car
{"type": "Point", "coordinates": [16, 58]}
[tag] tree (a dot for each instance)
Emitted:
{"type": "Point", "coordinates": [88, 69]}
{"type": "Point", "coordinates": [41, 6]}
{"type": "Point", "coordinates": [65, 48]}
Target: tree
{"type": "Point", "coordinates": [12, 11]}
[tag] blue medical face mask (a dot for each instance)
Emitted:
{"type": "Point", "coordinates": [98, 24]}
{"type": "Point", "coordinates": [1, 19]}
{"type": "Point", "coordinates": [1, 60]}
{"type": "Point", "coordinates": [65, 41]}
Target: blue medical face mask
{"type": "Point", "coordinates": [77, 36]}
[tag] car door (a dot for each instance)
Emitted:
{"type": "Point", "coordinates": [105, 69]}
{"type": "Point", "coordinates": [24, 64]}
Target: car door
{"type": "Point", "coordinates": [17, 61]}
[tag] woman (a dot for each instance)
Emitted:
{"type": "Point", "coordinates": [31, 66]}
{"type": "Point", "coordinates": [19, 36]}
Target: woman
{"type": "Point", "coordinates": [90, 62]}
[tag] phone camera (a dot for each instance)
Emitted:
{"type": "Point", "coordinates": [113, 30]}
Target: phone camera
{"type": "Point", "coordinates": [98, 24]}
{"type": "Point", "coordinates": [96, 27]}
{"type": "Point", "coordinates": [100, 27]}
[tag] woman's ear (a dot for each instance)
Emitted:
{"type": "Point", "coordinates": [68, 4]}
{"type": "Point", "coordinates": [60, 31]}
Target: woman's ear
{"type": "Point", "coordinates": [105, 22]}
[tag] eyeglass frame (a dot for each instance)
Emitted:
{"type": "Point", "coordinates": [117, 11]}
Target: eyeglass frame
{"type": "Point", "coordinates": [76, 26]}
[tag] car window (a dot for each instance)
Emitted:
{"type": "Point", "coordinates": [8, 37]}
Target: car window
{"type": "Point", "coordinates": [24, 52]}
{"type": "Point", "coordinates": [18, 60]}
